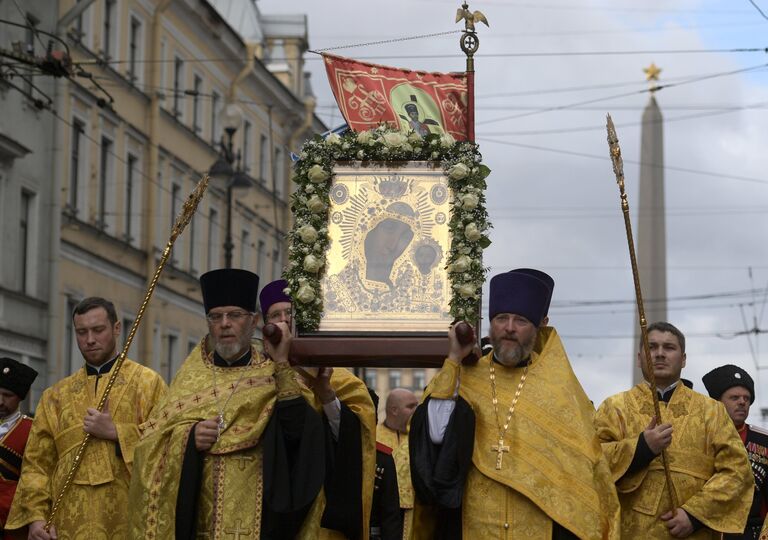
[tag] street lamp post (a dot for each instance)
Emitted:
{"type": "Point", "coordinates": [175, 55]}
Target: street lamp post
{"type": "Point", "coordinates": [227, 171]}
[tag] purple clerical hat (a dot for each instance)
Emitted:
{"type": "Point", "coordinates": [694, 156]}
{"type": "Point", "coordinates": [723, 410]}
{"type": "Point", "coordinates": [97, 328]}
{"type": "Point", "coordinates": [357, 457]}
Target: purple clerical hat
{"type": "Point", "coordinates": [519, 293]}
{"type": "Point", "coordinates": [543, 276]}
{"type": "Point", "coordinates": [272, 293]}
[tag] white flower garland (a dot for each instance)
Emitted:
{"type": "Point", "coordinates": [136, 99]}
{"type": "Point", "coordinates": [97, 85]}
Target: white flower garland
{"type": "Point", "coordinates": [313, 173]}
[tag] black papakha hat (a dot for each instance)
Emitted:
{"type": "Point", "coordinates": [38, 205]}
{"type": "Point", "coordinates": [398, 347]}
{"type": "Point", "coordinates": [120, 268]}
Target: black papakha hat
{"type": "Point", "coordinates": [16, 377]}
{"type": "Point", "coordinates": [543, 276]}
{"type": "Point", "coordinates": [229, 287]}
{"type": "Point", "coordinates": [519, 293]}
{"type": "Point", "coordinates": [721, 379]}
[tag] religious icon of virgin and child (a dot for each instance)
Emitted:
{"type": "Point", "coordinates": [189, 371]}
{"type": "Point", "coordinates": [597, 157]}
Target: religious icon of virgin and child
{"type": "Point", "coordinates": [391, 258]}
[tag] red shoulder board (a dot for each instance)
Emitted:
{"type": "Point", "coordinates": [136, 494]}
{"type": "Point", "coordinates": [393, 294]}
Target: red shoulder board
{"type": "Point", "coordinates": [383, 448]}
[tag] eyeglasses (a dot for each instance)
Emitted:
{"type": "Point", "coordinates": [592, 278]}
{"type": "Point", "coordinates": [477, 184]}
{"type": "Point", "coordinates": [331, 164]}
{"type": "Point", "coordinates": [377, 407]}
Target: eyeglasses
{"type": "Point", "coordinates": [277, 315]}
{"type": "Point", "coordinates": [233, 316]}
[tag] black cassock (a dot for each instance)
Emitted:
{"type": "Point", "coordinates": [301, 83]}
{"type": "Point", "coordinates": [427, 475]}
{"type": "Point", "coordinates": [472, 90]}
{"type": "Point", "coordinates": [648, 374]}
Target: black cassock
{"type": "Point", "coordinates": [300, 457]}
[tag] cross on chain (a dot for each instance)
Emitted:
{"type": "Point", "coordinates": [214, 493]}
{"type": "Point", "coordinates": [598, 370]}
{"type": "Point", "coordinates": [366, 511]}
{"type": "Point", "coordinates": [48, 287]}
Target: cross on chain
{"type": "Point", "coordinates": [237, 531]}
{"type": "Point", "coordinates": [242, 460]}
{"type": "Point", "coordinates": [500, 449]}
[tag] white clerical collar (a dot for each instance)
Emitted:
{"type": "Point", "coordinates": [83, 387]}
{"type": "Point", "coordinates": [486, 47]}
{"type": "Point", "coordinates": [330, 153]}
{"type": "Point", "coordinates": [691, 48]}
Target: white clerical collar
{"type": "Point", "coordinates": [8, 421]}
{"type": "Point", "coordinates": [665, 390]}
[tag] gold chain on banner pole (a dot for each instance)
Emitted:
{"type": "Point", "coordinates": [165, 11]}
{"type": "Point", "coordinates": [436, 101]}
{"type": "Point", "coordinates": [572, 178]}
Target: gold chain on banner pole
{"type": "Point", "coordinates": [618, 170]}
{"type": "Point", "coordinates": [187, 211]}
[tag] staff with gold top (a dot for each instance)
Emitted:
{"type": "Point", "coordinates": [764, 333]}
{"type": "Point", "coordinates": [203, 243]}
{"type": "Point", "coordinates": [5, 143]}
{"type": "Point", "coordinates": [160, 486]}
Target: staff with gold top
{"type": "Point", "coordinates": [506, 447]}
{"type": "Point", "coordinates": [679, 465]}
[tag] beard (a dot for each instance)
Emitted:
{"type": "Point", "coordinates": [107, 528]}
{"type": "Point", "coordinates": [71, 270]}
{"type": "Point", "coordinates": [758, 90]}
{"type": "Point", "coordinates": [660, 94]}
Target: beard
{"type": "Point", "coordinates": [511, 353]}
{"type": "Point", "coordinates": [229, 351]}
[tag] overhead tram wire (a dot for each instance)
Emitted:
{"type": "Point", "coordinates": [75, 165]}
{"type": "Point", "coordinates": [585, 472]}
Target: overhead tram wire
{"type": "Point", "coordinates": [634, 162]}
{"type": "Point", "coordinates": [760, 11]}
{"type": "Point", "coordinates": [738, 50]}
{"type": "Point", "coordinates": [626, 94]}
{"type": "Point", "coordinates": [663, 121]}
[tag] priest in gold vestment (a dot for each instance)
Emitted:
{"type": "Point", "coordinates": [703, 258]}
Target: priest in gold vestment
{"type": "Point", "coordinates": [94, 506]}
{"type": "Point", "coordinates": [235, 451]}
{"type": "Point", "coordinates": [710, 472]}
{"type": "Point", "coordinates": [350, 425]}
{"type": "Point", "coordinates": [506, 448]}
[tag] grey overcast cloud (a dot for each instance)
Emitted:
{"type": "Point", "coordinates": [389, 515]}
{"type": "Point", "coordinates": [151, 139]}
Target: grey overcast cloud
{"type": "Point", "coordinates": [552, 195]}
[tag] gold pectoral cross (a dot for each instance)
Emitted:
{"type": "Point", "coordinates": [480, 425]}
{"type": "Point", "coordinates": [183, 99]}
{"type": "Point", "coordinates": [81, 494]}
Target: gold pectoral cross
{"type": "Point", "coordinates": [499, 449]}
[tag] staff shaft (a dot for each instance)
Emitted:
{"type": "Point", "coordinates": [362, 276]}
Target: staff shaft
{"type": "Point", "coordinates": [190, 205]}
{"type": "Point", "coordinates": [618, 169]}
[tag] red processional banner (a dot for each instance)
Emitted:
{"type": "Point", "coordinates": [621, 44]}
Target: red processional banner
{"type": "Point", "coordinates": [370, 94]}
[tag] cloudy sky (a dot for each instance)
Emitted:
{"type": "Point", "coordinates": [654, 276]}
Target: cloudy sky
{"type": "Point", "coordinates": [553, 200]}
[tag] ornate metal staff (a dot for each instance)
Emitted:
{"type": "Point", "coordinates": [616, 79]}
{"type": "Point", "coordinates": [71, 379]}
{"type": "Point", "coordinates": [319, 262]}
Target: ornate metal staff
{"type": "Point", "coordinates": [187, 211]}
{"type": "Point", "coordinates": [618, 170]}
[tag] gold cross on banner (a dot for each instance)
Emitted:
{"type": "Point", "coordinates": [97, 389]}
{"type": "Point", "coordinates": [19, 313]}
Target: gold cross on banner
{"type": "Point", "coordinates": [499, 449]}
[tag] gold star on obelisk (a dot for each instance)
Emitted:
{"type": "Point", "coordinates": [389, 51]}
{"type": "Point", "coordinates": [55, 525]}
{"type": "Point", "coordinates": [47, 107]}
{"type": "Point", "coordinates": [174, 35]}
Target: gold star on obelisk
{"type": "Point", "coordinates": [652, 74]}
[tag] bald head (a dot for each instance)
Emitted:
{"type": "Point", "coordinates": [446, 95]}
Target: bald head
{"type": "Point", "coordinates": [400, 406]}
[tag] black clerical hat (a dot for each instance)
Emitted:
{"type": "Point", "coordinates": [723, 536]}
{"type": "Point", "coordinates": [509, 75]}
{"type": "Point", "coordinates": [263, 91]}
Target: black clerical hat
{"type": "Point", "coordinates": [16, 377]}
{"type": "Point", "coordinates": [543, 276]}
{"type": "Point", "coordinates": [229, 287]}
{"type": "Point", "coordinates": [721, 379]}
{"type": "Point", "coordinates": [519, 293]}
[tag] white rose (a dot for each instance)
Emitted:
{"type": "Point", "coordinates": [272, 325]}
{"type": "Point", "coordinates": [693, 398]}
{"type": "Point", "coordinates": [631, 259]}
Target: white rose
{"type": "Point", "coordinates": [435, 155]}
{"type": "Point", "coordinates": [458, 171]}
{"type": "Point", "coordinates": [461, 264]}
{"type": "Point", "coordinates": [472, 233]}
{"type": "Point", "coordinates": [467, 290]}
{"type": "Point", "coordinates": [345, 146]}
{"type": "Point", "coordinates": [307, 233]}
{"type": "Point", "coordinates": [469, 201]}
{"type": "Point", "coordinates": [317, 174]}
{"type": "Point", "coordinates": [312, 264]}
{"type": "Point", "coordinates": [414, 138]}
{"type": "Point", "coordinates": [393, 139]}
{"type": "Point", "coordinates": [407, 147]}
{"type": "Point", "coordinates": [305, 294]}
{"type": "Point", "coordinates": [309, 188]}
{"type": "Point", "coordinates": [360, 155]}
{"type": "Point", "coordinates": [333, 138]}
{"type": "Point", "coordinates": [446, 140]}
{"type": "Point", "coordinates": [365, 137]}
{"type": "Point", "coordinates": [315, 205]}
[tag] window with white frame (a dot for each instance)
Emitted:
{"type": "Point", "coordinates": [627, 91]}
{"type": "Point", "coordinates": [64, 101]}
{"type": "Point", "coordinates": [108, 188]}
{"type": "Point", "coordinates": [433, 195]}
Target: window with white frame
{"type": "Point", "coordinates": [73, 358]}
{"type": "Point", "coordinates": [395, 378]}
{"type": "Point", "coordinates": [247, 146]}
{"type": "Point", "coordinates": [109, 30]}
{"type": "Point", "coordinates": [371, 377]}
{"type": "Point", "coordinates": [263, 158]}
{"type": "Point", "coordinates": [105, 180]}
{"type": "Point", "coordinates": [193, 239]}
{"type": "Point", "coordinates": [215, 114]}
{"type": "Point", "coordinates": [279, 172]}
{"type": "Point", "coordinates": [261, 258]}
{"type": "Point", "coordinates": [76, 163]}
{"type": "Point", "coordinates": [197, 105]}
{"type": "Point", "coordinates": [132, 172]}
{"type": "Point", "coordinates": [178, 87]}
{"type": "Point", "coordinates": [213, 239]}
{"type": "Point", "coordinates": [277, 267]}
{"type": "Point", "coordinates": [26, 241]}
{"type": "Point", "coordinates": [172, 355]}
{"type": "Point", "coordinates": [419, 380]}
{"type": "Point", "coordinates": [135, 49]}
{"type": "Point", "coordinates": [245, 248]}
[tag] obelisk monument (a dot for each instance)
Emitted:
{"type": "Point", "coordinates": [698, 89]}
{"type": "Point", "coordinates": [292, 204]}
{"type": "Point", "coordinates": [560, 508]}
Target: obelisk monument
{"type": "Point", "coordinates": [651, 224]}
